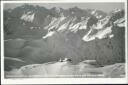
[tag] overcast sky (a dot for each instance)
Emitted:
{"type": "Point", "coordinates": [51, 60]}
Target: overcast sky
{"type": "Point", "coordinates": [107, 7]}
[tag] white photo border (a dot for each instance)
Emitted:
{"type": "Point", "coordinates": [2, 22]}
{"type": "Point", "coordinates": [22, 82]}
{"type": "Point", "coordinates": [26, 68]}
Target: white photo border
{"type": "Point", "coordinates": [63, 80]}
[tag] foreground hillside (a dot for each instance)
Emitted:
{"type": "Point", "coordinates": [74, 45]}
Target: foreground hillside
{"type": "Point", "coordinates": [67, 69]}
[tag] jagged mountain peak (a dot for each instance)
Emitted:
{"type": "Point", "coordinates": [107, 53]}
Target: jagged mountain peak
{"type": "Point", "coordinates": [75, 8]}
{"type": "Point", "coordinates": [57, 9]}
{"type": "Point", "coordinates": [73, 19]}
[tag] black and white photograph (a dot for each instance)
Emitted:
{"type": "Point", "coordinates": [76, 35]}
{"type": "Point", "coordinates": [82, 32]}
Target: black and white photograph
{"type": "Point", "coordinates": [63, 40]}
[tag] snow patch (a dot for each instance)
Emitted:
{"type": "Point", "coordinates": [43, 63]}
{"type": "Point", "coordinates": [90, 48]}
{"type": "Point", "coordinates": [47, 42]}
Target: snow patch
{"type": "Point", "coordinates": [120, 22]}
{"type": "Point", "coordinates": [98, 17]}
{"type": "Point", "coordinates": [103, 33]}
{"type": "Point", "coordinates": [29, 17]}
{"type": "Point", "coordinates": [79, 26]}
{"type": "Point", "coordinates": [100, 34]}
{"type": "Point", "coordinates": [101, 23]}
{"type": "Point", "coordinates": [35, 28]}
{"type": "Point", "coordinates": [116, 10]}
{"type": "Point", "coordinates": [49, 34]}
{"type": "Point", "coordinates": [55, 22]}
{"type": "Point", "coordinates": [63, 27]}
{"type": "Point", "coordinates": [93, 12]}
{"type": "Point", "coordinates": [111, 36]}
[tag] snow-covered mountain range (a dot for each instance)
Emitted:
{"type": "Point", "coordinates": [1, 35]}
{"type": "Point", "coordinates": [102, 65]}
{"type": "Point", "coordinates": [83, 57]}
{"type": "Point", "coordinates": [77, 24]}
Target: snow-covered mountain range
{"type": "Point", "coordinates": [48, 34]}
{"type": "Point", "coordinates": [42, 22]}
